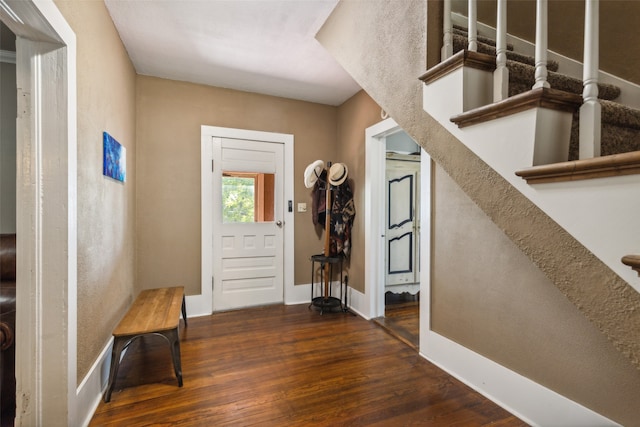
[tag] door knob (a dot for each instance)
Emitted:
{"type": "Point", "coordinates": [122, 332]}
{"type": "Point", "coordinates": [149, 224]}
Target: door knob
{"type": "Point", "coordinates": [279, 223]}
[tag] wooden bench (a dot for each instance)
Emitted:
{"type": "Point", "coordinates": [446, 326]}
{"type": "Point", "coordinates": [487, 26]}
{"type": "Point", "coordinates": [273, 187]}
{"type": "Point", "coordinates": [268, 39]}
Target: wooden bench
{"type": "Point", "coordinates": [155, 311]}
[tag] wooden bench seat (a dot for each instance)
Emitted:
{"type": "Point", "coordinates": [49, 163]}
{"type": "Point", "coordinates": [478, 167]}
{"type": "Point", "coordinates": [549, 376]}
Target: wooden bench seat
{"type": "Point", "coordinates": [155, 311]}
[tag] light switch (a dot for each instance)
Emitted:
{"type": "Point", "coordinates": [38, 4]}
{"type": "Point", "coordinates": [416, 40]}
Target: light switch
{"type": "Point", "coordinates": [302, 207]}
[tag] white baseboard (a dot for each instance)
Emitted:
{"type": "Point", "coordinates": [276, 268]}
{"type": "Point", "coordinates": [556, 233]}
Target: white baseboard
{"type": "Point", "coordinates": [198, 305]}
{"type": "Point", "coordinates": [89, 392]}
{"type": "Point", "coordinates": [532, 403]}
{"type": "Point", "coordinates": [298, 294]}
{"type": "Point", "coordinates": [358, 303]}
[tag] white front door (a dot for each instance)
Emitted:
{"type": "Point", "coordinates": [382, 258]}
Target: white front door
{"type": "Point", "coordinates": [402, 221]}
{"type": "Point", "coordinates": [248, 185]}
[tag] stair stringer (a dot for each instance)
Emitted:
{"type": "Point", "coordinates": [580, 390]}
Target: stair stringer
{"type": "Point", "coordinates": [607, 300]}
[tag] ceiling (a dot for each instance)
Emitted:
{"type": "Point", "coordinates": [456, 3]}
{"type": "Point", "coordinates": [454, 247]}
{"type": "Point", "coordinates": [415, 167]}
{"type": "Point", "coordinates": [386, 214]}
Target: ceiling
{"type": "Point", "coordinates": [262, 46]}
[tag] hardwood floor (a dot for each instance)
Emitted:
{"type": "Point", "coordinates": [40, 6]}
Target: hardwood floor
{"type": "Point", "coordinates": [287, 365]}
{"type": "Point", "coordinates": [403, 322]}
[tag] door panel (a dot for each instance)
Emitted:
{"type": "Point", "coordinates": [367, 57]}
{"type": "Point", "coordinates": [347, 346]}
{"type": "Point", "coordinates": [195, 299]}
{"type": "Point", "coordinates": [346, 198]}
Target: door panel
{"type": "Point", "coordinates": [401, 260]}
{"type": "Point", "coordinates": [402, 222]}
{"type": "Point", "coordinates": [248, 256]}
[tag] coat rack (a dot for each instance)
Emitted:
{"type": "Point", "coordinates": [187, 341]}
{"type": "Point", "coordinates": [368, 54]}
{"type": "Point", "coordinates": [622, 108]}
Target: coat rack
{"type": "Point", "coordinates": [327, 233]}
{"type": "Point", "coordinates": [324, 176]}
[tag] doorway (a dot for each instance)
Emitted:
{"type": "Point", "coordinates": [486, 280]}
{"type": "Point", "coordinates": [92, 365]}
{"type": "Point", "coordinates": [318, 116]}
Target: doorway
{"type": "Point", "coordinates": [8, 113]}
{"type": "Point", "coordinates": [247, 257]}
{"type": "Point", "coordinates": [402, 239]}
{"type": "Point", "coordinates": [46, 225]}
{"type": "Point", "coordinates": [378, 137]}
{"type": "Point", "coordinates": [248, 225]}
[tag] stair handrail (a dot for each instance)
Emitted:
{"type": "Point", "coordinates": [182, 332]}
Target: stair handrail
{"type": "Point", "coordinates": [590, 111]}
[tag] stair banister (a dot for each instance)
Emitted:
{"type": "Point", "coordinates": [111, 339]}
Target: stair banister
{"type": "Point", "coordinates": [447, 43]}
{"type": "Point", "coordinates": [541, 44]}
{"type": "Point", "coordinates": [590, 111]}
{"type": "Point", "coordinates": [501, 74]}
{"type": "Point", "coordinates": [473, 26]}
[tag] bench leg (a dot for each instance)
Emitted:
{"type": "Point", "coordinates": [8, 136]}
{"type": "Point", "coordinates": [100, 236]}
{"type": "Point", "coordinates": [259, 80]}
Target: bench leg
{"type": "Point", "coordinates": [184, 310]}
{"type": "Point", "coordinates": [118, 345]}
{"type": "Point", "coordinates": [174, 343]}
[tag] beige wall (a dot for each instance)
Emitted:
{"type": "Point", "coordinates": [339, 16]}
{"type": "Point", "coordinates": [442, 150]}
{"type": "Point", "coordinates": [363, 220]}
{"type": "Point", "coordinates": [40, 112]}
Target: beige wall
{"type": "Point", "coordinates": [169, 115]}
{"type": "Point", "coordinates": [355, 115]}
{"type": "Point", "coordinates": [434, 32]}
{"type": "Point", "coordinates": [619, 55]}
{"type": "Point", "coordinates": [146, 232]}
{"type": "Point", "coordinates": [106, 208]}
{"type": "Point", "coordinates": [497, 303]}
{"type": "Point", "coordinates": [385, 54]}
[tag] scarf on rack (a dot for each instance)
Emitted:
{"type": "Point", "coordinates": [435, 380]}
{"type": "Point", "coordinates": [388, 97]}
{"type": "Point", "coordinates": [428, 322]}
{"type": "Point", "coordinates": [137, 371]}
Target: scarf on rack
{"type": "Point", "coordinates": [343, 212]}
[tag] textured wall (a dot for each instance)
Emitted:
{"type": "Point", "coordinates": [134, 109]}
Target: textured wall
{"type": "Point", "coordinates": [385, 53]}
{"type": "Point", "coordinates": [170, 114]}
{"type": "Point", "coordinates": [106, 208]}
{"type": "Point", "coordinates": [514, 315]}
{"type": "Point", "coordinates": [355, 115]}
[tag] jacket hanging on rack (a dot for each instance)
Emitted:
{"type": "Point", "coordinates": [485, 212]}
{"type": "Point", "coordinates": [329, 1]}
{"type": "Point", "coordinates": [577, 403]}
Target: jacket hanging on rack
{"type": "Point", "coordinates": [318, 200]}
{"type": "Point", "coordinates": [343, 212]}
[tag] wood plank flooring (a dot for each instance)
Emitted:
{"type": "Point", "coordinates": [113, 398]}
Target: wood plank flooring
{"type": "Point", "coordinates": [402, 320]}
{"type": "Point", "coordinates": [289, 366]}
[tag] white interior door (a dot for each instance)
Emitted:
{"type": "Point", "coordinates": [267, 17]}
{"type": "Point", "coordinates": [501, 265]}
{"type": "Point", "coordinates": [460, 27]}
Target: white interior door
{"type": "Point", "coordinates": [402, 222]}
{"type": "Point", "coordinates": [247, 238]}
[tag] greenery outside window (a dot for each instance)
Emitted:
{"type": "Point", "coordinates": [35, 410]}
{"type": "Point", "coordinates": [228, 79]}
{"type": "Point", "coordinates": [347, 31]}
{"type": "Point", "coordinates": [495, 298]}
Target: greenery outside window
{"type": "Point", "coordinates": [247, 197]}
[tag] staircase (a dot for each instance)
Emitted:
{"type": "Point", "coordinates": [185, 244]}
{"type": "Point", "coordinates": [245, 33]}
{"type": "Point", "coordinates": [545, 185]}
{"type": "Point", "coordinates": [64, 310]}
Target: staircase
{"type": "Point", "coordinates": [620, 123]}
{"type": "Point", "coordinates": [582, 228]}
{"type": "Point", "coordinates": [550, 151]}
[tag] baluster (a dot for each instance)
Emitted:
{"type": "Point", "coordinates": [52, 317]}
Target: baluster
{"type": "Point", "coordinates": [501, 74]}
{"type": "Point", "coordinates": [541, 44]}
{"type": "Point", "coordinates": [590, 111]}
{"type": "Point", "coordinates": [447, 44]}
{"type": "Point", "coordinates": [473, 27]}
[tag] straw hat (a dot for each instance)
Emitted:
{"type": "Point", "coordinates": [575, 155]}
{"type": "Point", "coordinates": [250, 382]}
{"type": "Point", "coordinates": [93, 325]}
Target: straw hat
{"type": "Point", "coordinates": [312, 173]}
{"type": "Point", "coordinates": [338, 173]}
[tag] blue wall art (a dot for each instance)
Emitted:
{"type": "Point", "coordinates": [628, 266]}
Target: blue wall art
{"type": "Point", "coordinates": [115, 158]}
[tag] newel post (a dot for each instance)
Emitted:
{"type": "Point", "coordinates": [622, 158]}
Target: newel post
{"type": "Point", "coordinates": [541, 44]}
{"type": "Point", "coordinates": [501, 74]}
{"type": "Point", "coordinates": [473, 26]}
{"type": "Point", "coordinates": [590, 111]}
{"type": "Point", "coordinates": [447, 42]}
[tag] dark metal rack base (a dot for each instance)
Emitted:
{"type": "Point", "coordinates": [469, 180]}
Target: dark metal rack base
{"type": "Point", "coordinates": [328, 302]}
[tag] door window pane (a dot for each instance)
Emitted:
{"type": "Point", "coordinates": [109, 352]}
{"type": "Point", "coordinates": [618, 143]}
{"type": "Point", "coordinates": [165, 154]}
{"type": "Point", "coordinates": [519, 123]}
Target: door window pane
{"type": "Point", "coordinates": [247, 197]}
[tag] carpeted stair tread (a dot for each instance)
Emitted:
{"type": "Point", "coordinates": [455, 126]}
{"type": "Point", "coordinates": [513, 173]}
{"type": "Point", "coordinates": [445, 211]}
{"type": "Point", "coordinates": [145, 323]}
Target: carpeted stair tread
{"type": "Point", "coordinates": [620, 125]}
{"type": "Point", "coordinates": [620, 115]}
{"type": "Point", "coordinates": [461, 42]}
{"type": "Point", "coordinates": [461, 31]}
{"type": "Point", "coordinates": [522, 78]}
{"type": "Point", "coordinates": [620, 130]}
{"type": "Point", "coordinates": [616, 137]}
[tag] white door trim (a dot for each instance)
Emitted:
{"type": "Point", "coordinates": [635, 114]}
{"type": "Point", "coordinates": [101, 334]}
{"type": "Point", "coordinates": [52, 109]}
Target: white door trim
{"type": "Point", "coordinates": [202, 304]}
{"type": "Point", "coordinates": [46, 206]}
{"type": "Point", "coordinates": [374, 219]}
